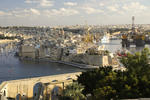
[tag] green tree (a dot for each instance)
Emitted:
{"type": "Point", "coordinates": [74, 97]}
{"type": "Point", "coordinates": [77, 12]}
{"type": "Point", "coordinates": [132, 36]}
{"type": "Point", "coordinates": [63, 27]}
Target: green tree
{"type": "Point", "coordinates": [73, 92]}
{"type": "Point", "coordinates": [138, 70]}
{"type": "Point", "coordinates": [104, 93]}
{"type": "Point", "coordinates": [104, 83]}
{"type": "Point", "coordinates": [137, 62]}
{"type": "Point", "coordinates": [96, 80]}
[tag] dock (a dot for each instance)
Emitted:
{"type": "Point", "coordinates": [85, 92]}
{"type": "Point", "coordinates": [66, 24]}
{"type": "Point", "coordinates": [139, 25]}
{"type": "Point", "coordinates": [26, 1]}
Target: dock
{"type": "Point", "coordinates": [82, 66]}
{"type": "Point", "coordinates": [73, 64]}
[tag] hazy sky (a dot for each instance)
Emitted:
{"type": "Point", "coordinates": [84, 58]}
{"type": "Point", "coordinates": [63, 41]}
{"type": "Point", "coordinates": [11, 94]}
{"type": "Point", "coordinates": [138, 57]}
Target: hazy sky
{"type": "Point", "coordinates": [71, 12]}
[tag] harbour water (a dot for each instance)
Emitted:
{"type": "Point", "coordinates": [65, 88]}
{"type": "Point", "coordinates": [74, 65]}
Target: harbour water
{"type": "Point", "coordinates": [115, 45]}
{"type": "Point", "coordinates": [12, 68]}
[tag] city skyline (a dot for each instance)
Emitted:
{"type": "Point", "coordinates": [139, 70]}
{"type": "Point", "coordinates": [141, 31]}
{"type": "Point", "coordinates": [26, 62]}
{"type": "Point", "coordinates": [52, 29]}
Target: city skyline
{"type": "Point", "coordinates": [72, 12]}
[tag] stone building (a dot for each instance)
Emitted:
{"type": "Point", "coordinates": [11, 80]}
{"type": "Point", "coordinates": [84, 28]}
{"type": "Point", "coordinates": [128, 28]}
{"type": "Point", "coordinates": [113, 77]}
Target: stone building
{"type": "Point", "coordinates": [27, 51]}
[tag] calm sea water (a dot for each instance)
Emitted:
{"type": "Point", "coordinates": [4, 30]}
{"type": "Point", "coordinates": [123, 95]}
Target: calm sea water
{"type": "Point", "coordinates": [12, 68]}
{"type": "Point", "coordinates": [115, 45]}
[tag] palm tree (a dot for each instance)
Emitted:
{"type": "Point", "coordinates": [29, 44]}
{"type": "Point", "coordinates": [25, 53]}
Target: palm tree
{"type": "Point", "coordinates": [73, 92]}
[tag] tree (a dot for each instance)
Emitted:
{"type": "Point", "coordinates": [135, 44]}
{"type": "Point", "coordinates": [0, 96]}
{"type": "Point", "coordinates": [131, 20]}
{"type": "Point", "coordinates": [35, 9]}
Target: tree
{"type": "Point", "coordinates": [98, 80]}
{"type": "Point", "coordinates": [138, 70]}
{"type": "Point", "coordinates": [73, 92]}
{"type": "Point", "coordinates": [137, 62]}
{"type": "Point", "coordinates": [139, 67]}
{"type": "Point", "coordinates": [104, 93]}
{"type": "Point", "coordinates": [105, 83]}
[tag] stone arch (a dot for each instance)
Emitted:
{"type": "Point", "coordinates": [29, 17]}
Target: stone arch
{"type": "Point", "coordinates": [4, 93]}
{"type": "Point", "coordinates": [56, 92]}
{"type": "Point", "coordinates": [38, 90]}
{"type": "Point", "coordinates": [18, 97]}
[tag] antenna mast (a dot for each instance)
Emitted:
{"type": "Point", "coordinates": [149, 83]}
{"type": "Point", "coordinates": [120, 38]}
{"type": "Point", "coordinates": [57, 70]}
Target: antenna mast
{"type": "Point", "coordinates": [133, 26]}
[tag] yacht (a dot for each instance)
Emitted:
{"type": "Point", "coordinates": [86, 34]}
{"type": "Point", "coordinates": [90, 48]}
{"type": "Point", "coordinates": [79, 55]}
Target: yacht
{"type": "Point", "coordinates": [105, 39]}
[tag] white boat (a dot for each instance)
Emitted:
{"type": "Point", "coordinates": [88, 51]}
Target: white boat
{"type": "Point", "coordinates": [105, 39]}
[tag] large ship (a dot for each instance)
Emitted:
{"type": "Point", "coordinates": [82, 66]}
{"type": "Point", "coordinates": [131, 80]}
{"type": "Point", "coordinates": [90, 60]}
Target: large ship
{"type": "Point", "coordinates": [105, 39]}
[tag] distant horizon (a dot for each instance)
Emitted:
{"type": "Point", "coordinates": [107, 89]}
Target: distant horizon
{"type": "Point", "coordinates": [68, 25]}
{"type": "Point", "coordinates": [72, 12]}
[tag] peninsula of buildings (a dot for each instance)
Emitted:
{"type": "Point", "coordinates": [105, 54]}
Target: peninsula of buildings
{"type": "Point", "coordinates": [80, 46]}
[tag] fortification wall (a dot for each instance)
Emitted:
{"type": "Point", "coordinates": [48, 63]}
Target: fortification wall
{"type": "Point", "coordinates": [24, 87]}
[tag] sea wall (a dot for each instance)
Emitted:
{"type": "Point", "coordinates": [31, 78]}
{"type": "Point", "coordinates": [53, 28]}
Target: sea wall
{"type": "Point", "coordinates": [25, 87]}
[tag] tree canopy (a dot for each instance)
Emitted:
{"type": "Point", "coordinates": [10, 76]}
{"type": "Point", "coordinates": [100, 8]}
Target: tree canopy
{"type": "Point", "coordinates": [73, 92]}
{"type": "Point", "coordinates": [105, 83]}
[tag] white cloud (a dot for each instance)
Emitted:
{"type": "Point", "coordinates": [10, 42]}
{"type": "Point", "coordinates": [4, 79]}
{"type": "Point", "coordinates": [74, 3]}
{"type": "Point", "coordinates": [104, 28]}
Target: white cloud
{"type": "Point", "coordinates": [70, 3]}
{"type": "Point", "coordinates": [101, 4]}
{"type": "Point", "coordinates": [61, 12]}
{"type": "Point", "coordinates": [90, 10]}
{"type": "Point", "coordinates": [43, 3]}
{"type": "Point", "coordinates": [2, 13]}
{"type": "Point", "coordinates": [113, 8]}
{"type": "Point", "coordinates": [134, 6]}
{"type": "Point", "coordinates": [31, 1]}
{"type": "Point", "coordinates": [119, 10]}
{"type": "Point", "coordinates": [35, 11]}
{"type": "Point", "coordinates": [22, 13]}
{"type": "Point", "coordinates": [46, 3]}
{"type": "Point", "coordinates": [32, 12]}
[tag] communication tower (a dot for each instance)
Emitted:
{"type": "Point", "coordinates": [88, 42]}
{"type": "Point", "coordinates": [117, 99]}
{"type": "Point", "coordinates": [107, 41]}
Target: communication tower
{"type": "Point", "coordinates": [133, 26]}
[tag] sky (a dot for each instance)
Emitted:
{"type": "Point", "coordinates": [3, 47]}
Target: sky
{"type": "Point", "coordinates": [72, 12]}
